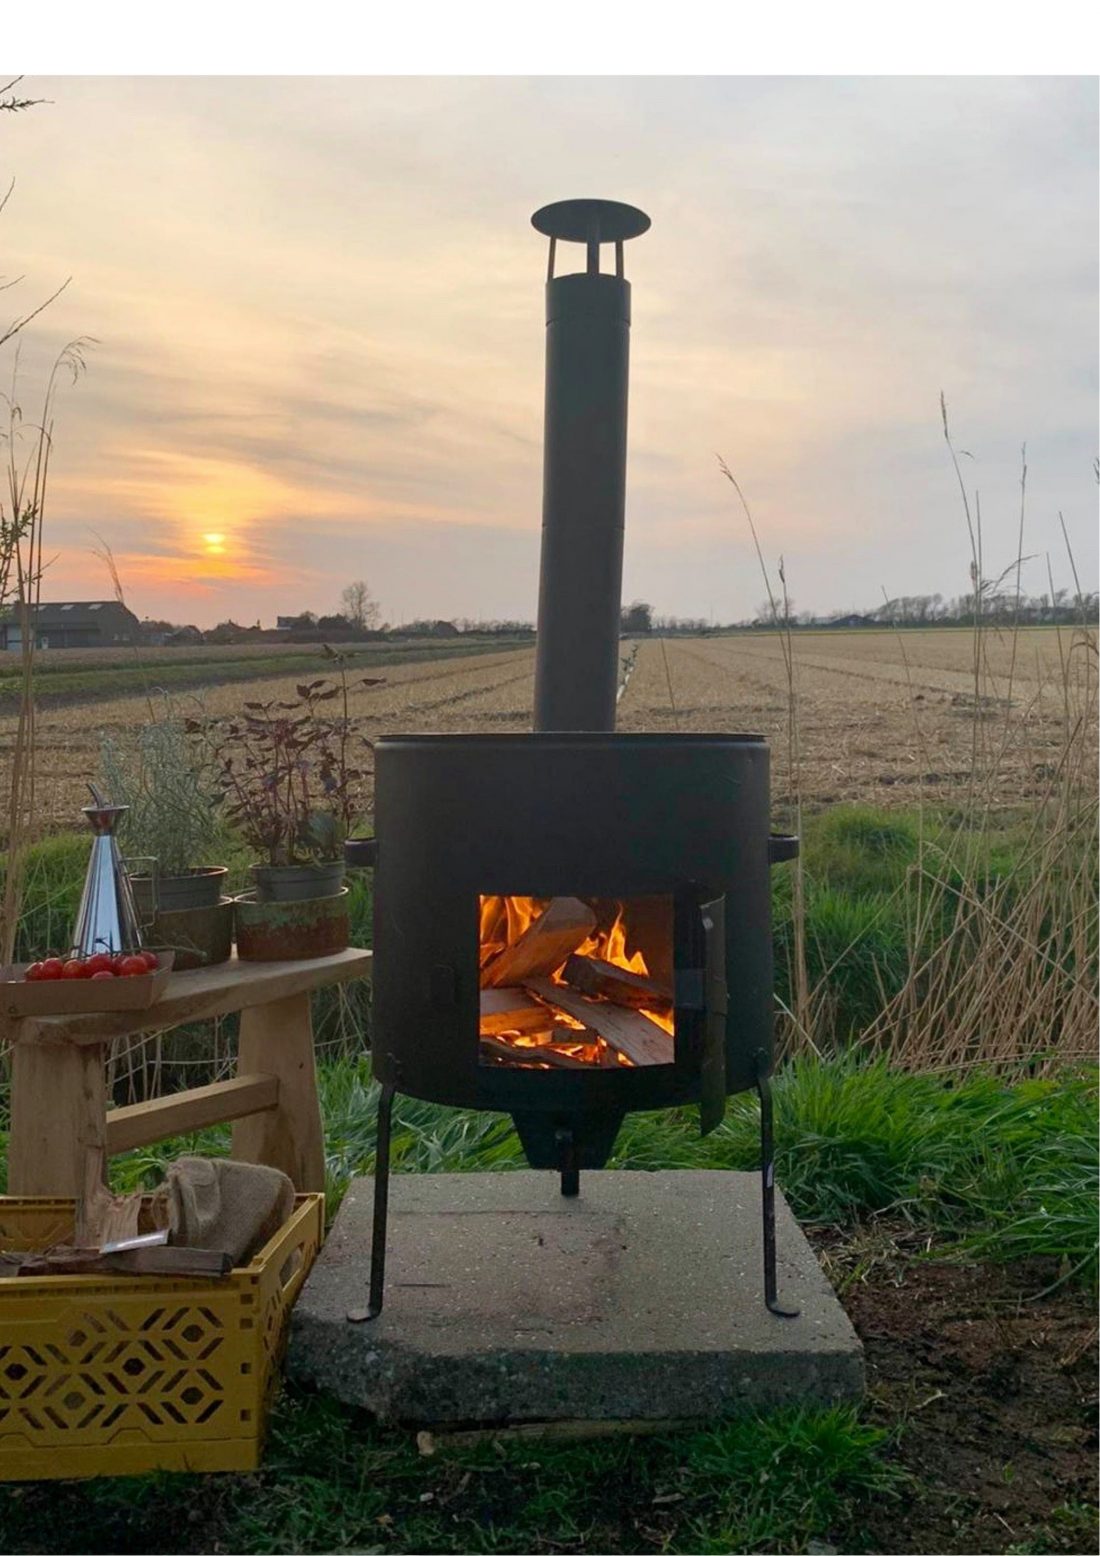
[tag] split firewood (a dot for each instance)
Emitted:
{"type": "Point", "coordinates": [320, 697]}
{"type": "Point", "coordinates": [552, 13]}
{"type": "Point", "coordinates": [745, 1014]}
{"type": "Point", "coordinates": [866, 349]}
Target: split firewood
{"type": "Point", "coordinates": [544, 945]}
{"type": "Point", "coordinates": [181, 1262]}
{"type": "Point", "coordinates": [511, 1010]}
{"type": "Point", "coordinates": [597, 978]}
{"type": "Point", "coordinates": [635, 1035]}
{"type": "Point", "coordinates": [542, 1054]}
{"type": "Point", "coordinates": [103, 1217]}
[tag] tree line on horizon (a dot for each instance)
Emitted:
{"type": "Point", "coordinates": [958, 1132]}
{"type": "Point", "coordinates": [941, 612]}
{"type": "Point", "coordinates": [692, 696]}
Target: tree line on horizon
{"type": "Point", "coordinates": [360, 619]}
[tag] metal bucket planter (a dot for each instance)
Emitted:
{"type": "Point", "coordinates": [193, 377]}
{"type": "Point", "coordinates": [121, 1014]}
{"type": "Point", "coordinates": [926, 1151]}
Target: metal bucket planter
{"type": "Point", "coordinates": [200, 888]}
{"type": "Point", "coordinates": [290, 931]}
{"type": "Point", "coordinates": [297, 882]}
{"type": "Point", "coordinates": [200, 937]}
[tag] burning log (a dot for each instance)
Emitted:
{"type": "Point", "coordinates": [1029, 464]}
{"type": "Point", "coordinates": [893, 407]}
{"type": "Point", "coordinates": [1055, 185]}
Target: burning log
{"type": "Point", "coordinates": [541, 1053]}
{"type": "Point", "coordinates": [605, 980]}
{"type": "Point", "coordinates": [635, 1035]}
{"type": "Point", "coordinates": [543, 946]}
{"type": "Point", "coordinates": [511, 1010]}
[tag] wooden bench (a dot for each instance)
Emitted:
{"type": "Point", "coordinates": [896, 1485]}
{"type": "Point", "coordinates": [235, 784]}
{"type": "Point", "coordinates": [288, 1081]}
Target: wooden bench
{"type": "Point", "coordinates": [59, 1114]}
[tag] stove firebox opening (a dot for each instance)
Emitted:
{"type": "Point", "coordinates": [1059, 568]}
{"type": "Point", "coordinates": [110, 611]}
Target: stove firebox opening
{"type": "Point", "coordinates": [574, 983]}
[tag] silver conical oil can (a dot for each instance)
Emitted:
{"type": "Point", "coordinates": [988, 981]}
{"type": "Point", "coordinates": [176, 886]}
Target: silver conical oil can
{"type": "Point", "coordinates": [107, 920]}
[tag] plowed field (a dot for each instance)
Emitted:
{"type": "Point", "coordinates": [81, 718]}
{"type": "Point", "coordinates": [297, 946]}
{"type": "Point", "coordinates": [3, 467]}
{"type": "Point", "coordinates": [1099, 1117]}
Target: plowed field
{"type": "Point", "coordinates": [880, 716]}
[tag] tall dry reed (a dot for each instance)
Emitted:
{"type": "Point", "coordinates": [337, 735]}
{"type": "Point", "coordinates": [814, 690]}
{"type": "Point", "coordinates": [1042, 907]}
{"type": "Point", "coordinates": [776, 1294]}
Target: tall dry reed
{"type": "Point", "coordinates": [1001, 963]}
{"type": "Point", "coordinates": [28, 446]}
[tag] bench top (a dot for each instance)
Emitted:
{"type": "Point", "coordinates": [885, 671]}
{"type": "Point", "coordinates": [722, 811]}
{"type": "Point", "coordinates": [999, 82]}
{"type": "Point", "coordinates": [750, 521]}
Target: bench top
{"type": "Point", "coordinates": [197, 996]}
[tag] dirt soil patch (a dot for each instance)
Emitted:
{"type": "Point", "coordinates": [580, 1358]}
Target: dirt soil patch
{"type": "Point", "coordinates": [994, 1387]}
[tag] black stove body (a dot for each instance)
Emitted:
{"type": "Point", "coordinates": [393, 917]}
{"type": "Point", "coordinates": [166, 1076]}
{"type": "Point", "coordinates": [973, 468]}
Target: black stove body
{"type": "Point", "coordinates": [518, 878]}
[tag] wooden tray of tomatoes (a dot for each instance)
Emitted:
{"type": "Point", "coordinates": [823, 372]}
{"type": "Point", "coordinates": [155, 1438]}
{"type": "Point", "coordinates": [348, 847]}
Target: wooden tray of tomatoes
{"type": "Point", "coordinates": [78, 986]}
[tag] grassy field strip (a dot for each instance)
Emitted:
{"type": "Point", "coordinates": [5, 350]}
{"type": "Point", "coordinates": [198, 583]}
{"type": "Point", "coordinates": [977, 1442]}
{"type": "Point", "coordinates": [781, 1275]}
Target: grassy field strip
{"type": "Point", "coordinates": [134, 672]}
{"type": "Point", "coordinates": [69, 736]}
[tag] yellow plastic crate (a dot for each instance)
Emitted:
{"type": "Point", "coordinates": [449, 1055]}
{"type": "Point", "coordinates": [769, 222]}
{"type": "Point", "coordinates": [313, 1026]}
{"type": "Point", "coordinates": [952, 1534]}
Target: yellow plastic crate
{"type": "Point", "coordinates": [117, 1375]}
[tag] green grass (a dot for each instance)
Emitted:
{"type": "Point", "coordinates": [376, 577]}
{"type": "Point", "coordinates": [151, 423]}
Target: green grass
{"type": "Point", "coordinates": [863, 882]}
{"type": "Point", "coordinates": [333, 1482]}
{"type": "Point", "coordinates": [860, 866]}
{"type": "Point", "coordinates": [1007, 1171]}
{"type": "Point", "coordinates": [991, 1167]}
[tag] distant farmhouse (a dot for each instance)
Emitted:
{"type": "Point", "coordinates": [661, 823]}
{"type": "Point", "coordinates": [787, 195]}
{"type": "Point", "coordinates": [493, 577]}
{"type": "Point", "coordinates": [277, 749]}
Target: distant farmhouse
{"type": "Point", "coordinates": [77, 624]}
{"type": "Point", "coordinates": [853, 620]}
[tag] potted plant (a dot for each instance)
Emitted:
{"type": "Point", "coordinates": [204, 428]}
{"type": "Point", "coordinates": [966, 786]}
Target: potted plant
{"type": "Point", "coordinates": [173, 828]}
{"type": "Point", "coordinates": [292, 788]}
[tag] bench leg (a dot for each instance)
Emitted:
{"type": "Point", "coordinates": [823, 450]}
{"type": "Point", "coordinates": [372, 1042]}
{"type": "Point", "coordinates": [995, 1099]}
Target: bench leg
{"type": "Point", "coordinates": [58, 1117]}
{"type": "Point", "coordinates": [277, 1039]}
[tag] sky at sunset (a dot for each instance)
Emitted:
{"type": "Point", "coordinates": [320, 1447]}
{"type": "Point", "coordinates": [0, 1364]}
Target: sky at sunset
{"type": "Point", "coordinates": [318, 313]}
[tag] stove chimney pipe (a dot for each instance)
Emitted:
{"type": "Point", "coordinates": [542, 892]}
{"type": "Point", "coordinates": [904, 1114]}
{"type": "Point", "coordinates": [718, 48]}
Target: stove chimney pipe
{"type": "Point", "coordinates": [584, 469]}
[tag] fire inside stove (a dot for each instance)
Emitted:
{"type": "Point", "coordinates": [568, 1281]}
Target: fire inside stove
{"type": "Point", "coordinates": [576, 983]}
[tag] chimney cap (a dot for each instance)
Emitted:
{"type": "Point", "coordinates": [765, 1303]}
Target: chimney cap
{"type": "Point", "coordinates": [590, 221]}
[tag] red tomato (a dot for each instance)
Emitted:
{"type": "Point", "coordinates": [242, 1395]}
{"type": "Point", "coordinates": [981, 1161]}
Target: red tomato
{"type": "Point", "coordinates": [104, 972]}
{"type": "Point", "coordinates": [74, 969]}
{"type": "Point", "coordinates": [102, 961]}
{"type": "Point", "coordinates": [152, 960]}
{"type": "Point", "coordinates": [50, 968]}
{"type": "Point", "coordinates": [33, 973]}
{"type": "Point", "coordinates": [133, 967]}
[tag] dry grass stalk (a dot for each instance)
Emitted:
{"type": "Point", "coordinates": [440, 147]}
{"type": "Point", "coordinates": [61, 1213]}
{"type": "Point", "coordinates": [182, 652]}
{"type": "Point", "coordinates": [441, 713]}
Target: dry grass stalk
{"type": "Point", "coordinates": [802, 1016]}
{"type": "Point", "coordinates": [1013, 980]}
{"type": "Point", "coordinates": [22, 511]}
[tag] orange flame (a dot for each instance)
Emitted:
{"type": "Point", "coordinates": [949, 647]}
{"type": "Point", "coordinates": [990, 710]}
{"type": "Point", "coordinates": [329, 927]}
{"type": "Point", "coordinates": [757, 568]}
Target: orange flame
{"type": "Point", "coordinates": [504, 920]}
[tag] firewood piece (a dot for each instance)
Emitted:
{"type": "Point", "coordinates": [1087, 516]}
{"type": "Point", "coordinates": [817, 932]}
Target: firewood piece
{"type": "Point", "coordinates": [635, 1035]}
{"type": "Point", "coordinates": [542, 1054]}
{"type": "Point", "coordinates": [162, 1261]}
{"type": "Point", "coordinates": [511, 1010]}
{"type": "Point", "coordinates": [543, 946]}
{"type": "Point", "coordinates": [594, 977]}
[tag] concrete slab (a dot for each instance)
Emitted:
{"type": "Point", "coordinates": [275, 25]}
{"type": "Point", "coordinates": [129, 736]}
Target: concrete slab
{"type": "Point", "coordinates": [642, 1298]}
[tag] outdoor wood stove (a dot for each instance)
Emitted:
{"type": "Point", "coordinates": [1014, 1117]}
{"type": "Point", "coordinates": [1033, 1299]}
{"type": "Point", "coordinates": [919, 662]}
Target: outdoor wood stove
{"type": "Point", "coordinates": [574, 924]}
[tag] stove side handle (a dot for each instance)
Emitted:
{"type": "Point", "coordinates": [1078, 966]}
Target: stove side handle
{"type": "Point", "coordinates": [361, 853]}
{"type": "Point", "coordinates": [783, 846]}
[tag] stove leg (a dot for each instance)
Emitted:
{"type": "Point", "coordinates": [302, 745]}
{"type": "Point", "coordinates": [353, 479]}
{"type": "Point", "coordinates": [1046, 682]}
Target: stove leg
{"type": "Point", "coordinates": [767, 1178]}
{"type": "Point", "coordinates": [567, 1163]}
{"type": "Point", "coordinates": [381, 1211]}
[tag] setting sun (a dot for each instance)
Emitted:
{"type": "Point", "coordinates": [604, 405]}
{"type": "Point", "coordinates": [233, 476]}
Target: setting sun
{"type": "Point", "coordinates": [214, 542]}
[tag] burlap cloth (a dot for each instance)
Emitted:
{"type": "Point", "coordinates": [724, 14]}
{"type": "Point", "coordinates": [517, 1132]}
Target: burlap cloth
{"type": "Point", "coordinates": [234, 1207]}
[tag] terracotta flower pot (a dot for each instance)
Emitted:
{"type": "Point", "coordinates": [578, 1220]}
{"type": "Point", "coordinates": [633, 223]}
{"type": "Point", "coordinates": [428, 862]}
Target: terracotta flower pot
{"type": "Point", "coordinates": [200, 937]}
{"type": "Point", "coordinates": [289, 931]}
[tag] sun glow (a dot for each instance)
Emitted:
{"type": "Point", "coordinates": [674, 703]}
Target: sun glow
{"type": "Point", "coordinates": [214, 543]}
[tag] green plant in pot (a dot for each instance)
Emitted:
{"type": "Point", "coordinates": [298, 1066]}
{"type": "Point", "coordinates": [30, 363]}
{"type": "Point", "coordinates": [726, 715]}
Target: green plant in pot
{"type": "Point", "coordinates": [173, 823]}
{"type": "Point", "coordinates": [171, 832]}
{"type": "Point", "coordinates": [292, 787]}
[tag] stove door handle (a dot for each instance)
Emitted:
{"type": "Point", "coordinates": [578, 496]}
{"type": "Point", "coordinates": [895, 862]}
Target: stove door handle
{"type": "Point", "coordinates": [712, 1059]}
{"type": "Point", "coordinates": [783, 846]}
